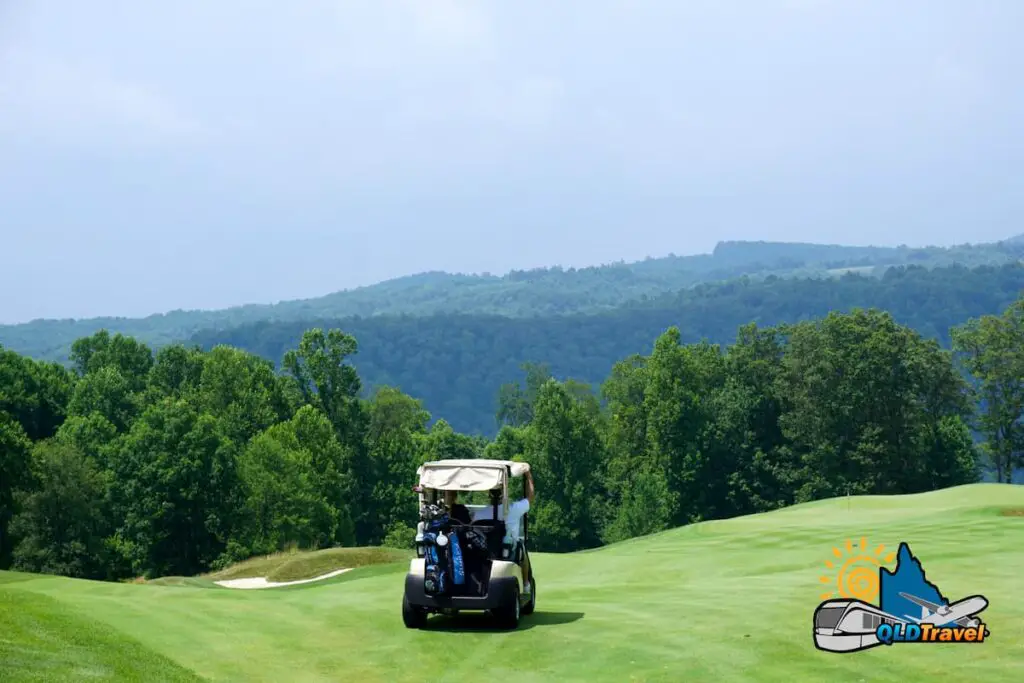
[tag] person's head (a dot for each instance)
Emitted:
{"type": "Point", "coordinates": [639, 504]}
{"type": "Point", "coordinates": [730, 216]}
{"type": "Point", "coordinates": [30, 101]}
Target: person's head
{"type": "Point", "coordinates": [451, 498]}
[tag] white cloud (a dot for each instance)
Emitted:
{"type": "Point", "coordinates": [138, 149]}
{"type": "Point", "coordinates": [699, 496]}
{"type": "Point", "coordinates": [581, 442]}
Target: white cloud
{"type": "Point", "coordinates": [403, 38]}
{"type": "Point", "coordinates": [57, 98]}
{"type": "Point", "coordinates": [448, 24]}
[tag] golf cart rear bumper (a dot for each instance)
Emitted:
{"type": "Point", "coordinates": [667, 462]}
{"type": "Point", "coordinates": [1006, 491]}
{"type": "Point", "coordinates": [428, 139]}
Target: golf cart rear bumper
{"type": "Point", "coordinates": [500, 592]}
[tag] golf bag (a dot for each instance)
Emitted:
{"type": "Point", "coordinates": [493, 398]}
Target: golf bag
{"type": "Point", "coordinates": [442, 552]}
{"type": "Point", "coordinates": [435, 580]}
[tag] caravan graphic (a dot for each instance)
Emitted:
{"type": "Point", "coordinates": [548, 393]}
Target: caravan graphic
{"type": "Point", "coordinates": [849, 625]}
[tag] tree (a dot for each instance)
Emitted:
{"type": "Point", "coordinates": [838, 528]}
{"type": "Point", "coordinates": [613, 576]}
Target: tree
{"type": "Point", "coordinates": [444, 443]}
{"type": "Point", "coordinates": [290, 498]}
{"type": "Point", "coordinates": [515, 402]}
{"type": "Point", "coordinates": [63, 523]}
{"type": "Point", "coordinates": [748, 414]}
{"type": "Point", "coordinates": [242, 390]}
{"type": "Point", "coordinates": [131, 358]}
{"type": "Point", "coordinates": [106, 392]}
{"type": "Point", "coordinates": [34, 394]}
{"type": "Point", "coordinates": [93, 435]}
{"type": "Point", "coordinates": [992, 349]}
{"type": "Point", "coordinates": [320, 376]}
{"type": "Point", "coordinates": [625, 438]}
{"type": "Point", "coordinates": [645, 506]}
{"type": "Point", "coordinates": [175, 490]}
{"type": "Point", "coordinates": [14, 469]}
{"type": "Point", "coordinates": [397, 427]}
{"type": "Point", "coordinates": [325, 380]}
{"type": "Point", "coordinates": [566, 456]}
{"type": "Point", "coordinates": [680, 380]}
{"type": "Point", "coordinates": [177, 371]}
{"type": "Point", "coordinates": [332, 467]}
{"type": "Point", "coordinates": [509, 444]}
{"type": "Point", "coordinates": [863, 398]}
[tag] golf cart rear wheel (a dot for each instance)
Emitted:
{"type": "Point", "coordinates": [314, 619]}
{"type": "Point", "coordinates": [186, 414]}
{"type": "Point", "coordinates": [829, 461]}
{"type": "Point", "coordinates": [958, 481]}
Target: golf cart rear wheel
{"type": "Point", "coordinates": [508, 614]}
{"type": "Point", "coordinates": [413, 615]}
{"type": "Point", "coordinates": [528, 607]}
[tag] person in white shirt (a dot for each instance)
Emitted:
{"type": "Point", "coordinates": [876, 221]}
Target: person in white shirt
{"type": "Point", "coordinates": [513, 525]}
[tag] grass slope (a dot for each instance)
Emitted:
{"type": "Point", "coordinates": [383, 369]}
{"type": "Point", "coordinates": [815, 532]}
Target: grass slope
{"type": "Point", "coordinates": [721, 601]}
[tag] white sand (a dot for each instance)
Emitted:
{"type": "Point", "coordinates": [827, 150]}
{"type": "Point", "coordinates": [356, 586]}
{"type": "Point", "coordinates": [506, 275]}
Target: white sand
{"type": "Point", "coordinates": [261, 581]}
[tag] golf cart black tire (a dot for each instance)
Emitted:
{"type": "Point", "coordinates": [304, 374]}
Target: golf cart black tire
{"type": "Point", "coordinates": [508, 614]}
{"type": "Point", "coordinates": [528, 607]}
{"type": "Point", "coordinates": [413, 616]}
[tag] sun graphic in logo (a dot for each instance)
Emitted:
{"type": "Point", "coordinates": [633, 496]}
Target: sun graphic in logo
{"type": "Point", "coordinates": [857, 577]}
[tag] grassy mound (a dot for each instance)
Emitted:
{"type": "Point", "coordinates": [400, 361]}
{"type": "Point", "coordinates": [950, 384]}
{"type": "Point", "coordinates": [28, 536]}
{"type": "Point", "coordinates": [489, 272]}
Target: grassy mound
{"type": "Point", "coordinates": [294, 566]}
{"type": "Point", "coordinates": [190, 581]}
{"type": "Point", "coordinates": [720, 601]}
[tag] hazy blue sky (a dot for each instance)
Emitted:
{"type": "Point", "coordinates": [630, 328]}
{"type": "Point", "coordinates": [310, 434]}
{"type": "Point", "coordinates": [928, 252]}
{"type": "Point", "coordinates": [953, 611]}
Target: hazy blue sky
{"type": "Point", "coordinates": [201, 154]}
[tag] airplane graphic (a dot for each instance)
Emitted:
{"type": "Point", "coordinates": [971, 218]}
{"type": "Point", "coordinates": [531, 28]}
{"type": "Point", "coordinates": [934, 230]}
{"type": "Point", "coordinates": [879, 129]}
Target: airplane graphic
{"type": "Point", "coordinates": [961, 612]}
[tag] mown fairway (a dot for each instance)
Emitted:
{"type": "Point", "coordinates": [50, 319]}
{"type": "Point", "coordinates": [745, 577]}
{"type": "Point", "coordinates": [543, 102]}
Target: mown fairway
{"type": "Point", "coordinates": [722, 601]}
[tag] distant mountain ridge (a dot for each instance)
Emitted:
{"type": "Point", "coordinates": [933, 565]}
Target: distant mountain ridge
{"type": "Point", "coordinates": [457, 362]}
{"type": "Point", "coordinates": [545, 292]}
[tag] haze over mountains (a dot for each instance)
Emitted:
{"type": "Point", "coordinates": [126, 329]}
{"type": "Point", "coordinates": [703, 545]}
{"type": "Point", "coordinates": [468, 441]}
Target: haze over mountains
{"type": "Point", "coordinates": [380, 139]}
{"type": "Point", "coordinates": [610, 285]}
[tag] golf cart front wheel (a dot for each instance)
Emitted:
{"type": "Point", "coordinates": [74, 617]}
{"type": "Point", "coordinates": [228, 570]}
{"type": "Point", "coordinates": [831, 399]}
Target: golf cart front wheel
{"type": "Point", "coordinates": [413, 616]}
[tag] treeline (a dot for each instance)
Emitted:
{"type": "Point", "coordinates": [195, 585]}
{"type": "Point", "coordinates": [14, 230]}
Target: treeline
{"type": "Point", "coordinates": [134, 463]}
{"type": "Point", "coordinates": [139, 463]}
{"type": "Point", "coordinates": [848, 404]}
{"type": "Point", "coordinates": [455, 363]}
{"type": "Point", "coordinates": [527, 294]}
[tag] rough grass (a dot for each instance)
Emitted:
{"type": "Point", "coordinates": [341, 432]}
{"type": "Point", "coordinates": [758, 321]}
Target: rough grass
{"type": "Point", "coordinates": [721, 601]}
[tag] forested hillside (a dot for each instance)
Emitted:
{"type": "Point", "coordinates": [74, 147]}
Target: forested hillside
{"type": "Point", "coordinates": [137, 463]}
{"type": "Point", "coordinates": [456, 363]}
{"type": "Point", "coordinates": [538, 292]}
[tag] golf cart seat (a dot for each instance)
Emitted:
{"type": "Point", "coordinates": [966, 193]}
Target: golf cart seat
{"type": "Point", "coordinates": [493, 529]}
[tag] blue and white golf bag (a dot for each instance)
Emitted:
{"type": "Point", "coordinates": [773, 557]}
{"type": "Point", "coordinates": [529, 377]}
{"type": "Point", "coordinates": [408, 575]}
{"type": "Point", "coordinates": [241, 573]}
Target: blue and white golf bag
{"type": "Point", "coordinates": [458, 568]}
{"type": "Point", "coordinates": [435, 577]}
{"type": "Point", "coordinates": [442, 553]}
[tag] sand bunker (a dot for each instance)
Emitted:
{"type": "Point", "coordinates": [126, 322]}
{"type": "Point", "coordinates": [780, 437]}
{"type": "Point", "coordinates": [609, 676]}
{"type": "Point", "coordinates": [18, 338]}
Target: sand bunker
{"type": "Point", "coordinates": [261, 581]}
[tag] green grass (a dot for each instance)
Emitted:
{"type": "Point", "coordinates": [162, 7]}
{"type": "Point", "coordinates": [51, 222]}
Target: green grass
{"type": "Point", "coordinates": [721, 601]}
{"type": "Point", "coordinates": [42, 639]}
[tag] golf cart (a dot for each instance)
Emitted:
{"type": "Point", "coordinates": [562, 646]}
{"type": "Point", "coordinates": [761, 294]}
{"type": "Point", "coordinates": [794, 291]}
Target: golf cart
{"type": "Point", "coordinates": [474, 566]}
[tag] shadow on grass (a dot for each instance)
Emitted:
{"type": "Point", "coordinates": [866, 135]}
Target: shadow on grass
{"type": "Point", "coordinates": [483, 622]}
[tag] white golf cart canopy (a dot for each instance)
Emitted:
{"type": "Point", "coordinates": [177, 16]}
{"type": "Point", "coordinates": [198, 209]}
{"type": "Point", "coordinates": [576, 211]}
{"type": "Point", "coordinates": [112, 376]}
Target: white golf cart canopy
{"type": "Point", "coordinates": [469, 475]}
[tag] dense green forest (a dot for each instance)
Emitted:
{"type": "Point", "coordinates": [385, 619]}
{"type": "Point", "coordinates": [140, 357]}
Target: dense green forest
{"type": "Point", "coordinates": [140, 463]}
{"type": "Point", "coordinates": [521, 293]}
{"type": "Point", "coordinates": [456, 363]}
